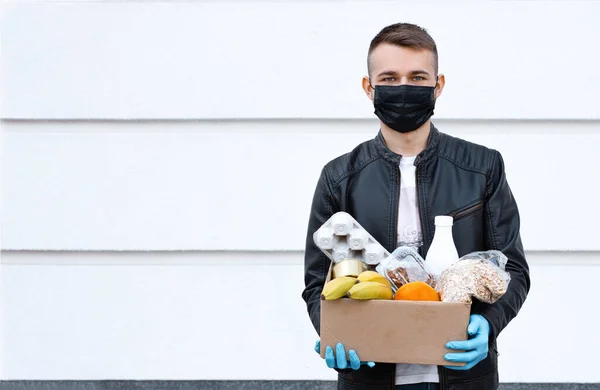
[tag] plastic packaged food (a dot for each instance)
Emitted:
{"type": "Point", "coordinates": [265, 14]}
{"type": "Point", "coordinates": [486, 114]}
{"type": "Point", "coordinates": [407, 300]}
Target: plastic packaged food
{"type": "Point", "coordinates": [341, 238]}
{"type": "Point", "coordinates": [403, 266]}
{"type": "Point", "coordinates": [495, 257]}
{"type": "Point", "coordinates": [479, 275]}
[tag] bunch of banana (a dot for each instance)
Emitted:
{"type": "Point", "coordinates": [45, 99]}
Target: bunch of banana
{"type": "Point", "coordinates": [368, 285]}
{"type": "Point", "coordinates": [371, 285]}
{"type": "Point", "coordinates": [370, 290]}
{"type": "Point", "coordinates": [337, 288]}
{"type": "Point", "coordinates": [372, 276]}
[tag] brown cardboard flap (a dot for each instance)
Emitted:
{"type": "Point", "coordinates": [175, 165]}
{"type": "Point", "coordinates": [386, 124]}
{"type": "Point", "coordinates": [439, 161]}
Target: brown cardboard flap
{"type": "Point", "coordinates": [394, 331]}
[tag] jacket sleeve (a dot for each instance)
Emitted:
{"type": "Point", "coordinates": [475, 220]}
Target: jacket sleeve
{"type": "Point", "coordinates": [502, 233]}
{"type": "Point", "coordinates": [316, 263]}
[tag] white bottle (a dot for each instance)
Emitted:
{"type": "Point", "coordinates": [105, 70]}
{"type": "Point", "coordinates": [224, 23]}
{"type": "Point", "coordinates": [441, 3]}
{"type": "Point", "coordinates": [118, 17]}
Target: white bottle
{"type": "Point", "coordinates": [442, 253]}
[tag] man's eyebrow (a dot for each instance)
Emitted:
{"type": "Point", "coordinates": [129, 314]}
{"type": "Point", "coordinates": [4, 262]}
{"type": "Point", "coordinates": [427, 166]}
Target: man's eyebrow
{"type": "Point", "coordinates": [388, 73]}
{"type": "Point", "coordinates": [419, 71]}
{"type": "Point", "coordinates": [394, 73]}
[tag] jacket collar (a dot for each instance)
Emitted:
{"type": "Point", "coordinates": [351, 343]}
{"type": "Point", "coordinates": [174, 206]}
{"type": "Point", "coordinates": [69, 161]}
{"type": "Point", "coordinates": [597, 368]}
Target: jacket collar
{"type": "Point", "coordinates": [433, 142]}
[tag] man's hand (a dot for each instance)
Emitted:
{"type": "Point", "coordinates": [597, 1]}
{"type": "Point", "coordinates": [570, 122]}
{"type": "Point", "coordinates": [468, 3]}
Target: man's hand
{"type": "Point", "coordinates": [339, 360]}
{"type": "Point", "coordinates": [476, 348]}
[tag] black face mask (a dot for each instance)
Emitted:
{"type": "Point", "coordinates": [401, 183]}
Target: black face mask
{"type": "Point", "coordinates": [404, 108]}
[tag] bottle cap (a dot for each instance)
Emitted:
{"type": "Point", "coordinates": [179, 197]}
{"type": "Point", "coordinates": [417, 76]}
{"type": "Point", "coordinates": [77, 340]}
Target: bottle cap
{"type": "Point", "coordinates": [443, 220]}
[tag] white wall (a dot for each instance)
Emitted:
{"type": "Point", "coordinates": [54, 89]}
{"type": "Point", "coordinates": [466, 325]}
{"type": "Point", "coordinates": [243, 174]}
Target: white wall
{"type": "Point", "coordinates": [206, 185]}
{"type": "Point", "coordinates": [296, 59]}
{"type": "Point", "coordinates": [215, 315]}
{"type": "Point", "coordinates": [158, 162]}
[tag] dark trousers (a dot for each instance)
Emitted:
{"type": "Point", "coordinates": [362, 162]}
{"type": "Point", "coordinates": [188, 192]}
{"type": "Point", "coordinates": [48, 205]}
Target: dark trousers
{"type": "Point", "coordinates": [419, 386]}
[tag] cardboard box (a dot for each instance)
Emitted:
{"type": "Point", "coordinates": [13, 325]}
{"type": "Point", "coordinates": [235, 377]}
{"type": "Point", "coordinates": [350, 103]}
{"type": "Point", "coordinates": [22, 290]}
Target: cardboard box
{"type": "Point", "coordinates": [389, 331]}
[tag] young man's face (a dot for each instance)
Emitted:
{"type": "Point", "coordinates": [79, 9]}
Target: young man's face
{"type": "Point", "coordinates": [396, 65]}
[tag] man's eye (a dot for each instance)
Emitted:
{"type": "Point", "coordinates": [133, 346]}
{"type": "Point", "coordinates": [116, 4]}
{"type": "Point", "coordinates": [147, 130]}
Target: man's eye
{"type": "Point", "coordinates": [418, 78]}
{"type": "Point", "coordinates": [389, 79]}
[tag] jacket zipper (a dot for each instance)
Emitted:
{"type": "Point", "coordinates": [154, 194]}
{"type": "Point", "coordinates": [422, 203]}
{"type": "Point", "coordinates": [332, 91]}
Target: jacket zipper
{"type": "Point", "coordinates": [424, 222]}
{"type": "Point", "coordinates": [442, 379]}
{"type": "Point", "coordinates": [396, 206]}
{"type": "Point", "coordinates": [469, 210]}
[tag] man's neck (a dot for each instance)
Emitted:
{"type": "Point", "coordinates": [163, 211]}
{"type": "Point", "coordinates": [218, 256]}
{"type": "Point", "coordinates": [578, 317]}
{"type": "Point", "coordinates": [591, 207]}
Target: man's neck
{"type": "Point", "coordinates": [406, 144]}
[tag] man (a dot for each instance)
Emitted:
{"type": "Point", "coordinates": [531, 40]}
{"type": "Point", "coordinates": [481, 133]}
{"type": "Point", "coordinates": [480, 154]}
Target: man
{"type": "Point", "coordinates": [395, 185]}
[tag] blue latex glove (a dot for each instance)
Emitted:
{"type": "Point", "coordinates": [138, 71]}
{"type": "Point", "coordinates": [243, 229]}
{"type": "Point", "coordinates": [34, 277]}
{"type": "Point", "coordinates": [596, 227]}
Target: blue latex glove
{"type": "Point", "coordinates": [339, 361]}
{"type": "Point", "coordinates": [476, 348]}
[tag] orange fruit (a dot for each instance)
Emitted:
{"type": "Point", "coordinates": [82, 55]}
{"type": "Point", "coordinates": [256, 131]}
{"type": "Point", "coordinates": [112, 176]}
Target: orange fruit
{"type": "Point", "coordinates": [416, 291]}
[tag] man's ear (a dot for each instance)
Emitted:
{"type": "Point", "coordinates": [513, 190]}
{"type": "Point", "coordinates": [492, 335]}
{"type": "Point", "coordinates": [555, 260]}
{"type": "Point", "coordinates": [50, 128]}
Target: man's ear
{"type": "Point", "coordinates": [366, 84]}
{"type": "Point", "coordinates": [441, 81]}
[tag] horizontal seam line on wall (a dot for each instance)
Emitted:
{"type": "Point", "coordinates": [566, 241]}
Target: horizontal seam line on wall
{"type": "Point", "coordinates": [289, 119]}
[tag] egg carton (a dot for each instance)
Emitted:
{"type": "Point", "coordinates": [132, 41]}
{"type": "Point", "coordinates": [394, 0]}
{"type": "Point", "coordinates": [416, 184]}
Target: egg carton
{"type": "Point", "coordinates": [342, 238]}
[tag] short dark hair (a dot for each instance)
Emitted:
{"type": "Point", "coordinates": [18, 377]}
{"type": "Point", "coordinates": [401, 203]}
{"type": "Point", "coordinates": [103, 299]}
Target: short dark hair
{"type": "Point", "coordinates": [405, 35]}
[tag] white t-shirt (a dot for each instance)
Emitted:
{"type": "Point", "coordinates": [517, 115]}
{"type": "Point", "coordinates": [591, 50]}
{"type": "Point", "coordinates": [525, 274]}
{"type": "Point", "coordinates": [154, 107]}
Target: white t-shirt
{"type": "Point", "coordinates": [409, 234]}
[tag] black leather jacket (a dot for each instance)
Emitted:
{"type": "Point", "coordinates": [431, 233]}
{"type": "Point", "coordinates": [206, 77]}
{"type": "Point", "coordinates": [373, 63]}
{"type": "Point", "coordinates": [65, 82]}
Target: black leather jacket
{"type": "Point", "coordinates": [454, 177]}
